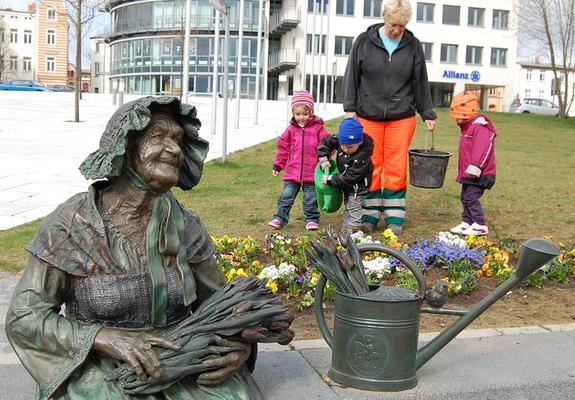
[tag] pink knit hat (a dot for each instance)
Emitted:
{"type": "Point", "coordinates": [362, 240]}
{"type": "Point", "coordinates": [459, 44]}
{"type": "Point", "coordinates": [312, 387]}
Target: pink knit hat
{"type": "Point", "coordinates": [302, 98]}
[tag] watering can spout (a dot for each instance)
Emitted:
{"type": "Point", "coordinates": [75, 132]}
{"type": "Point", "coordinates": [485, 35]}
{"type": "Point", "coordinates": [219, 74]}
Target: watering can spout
{"type": "Point", "coordinates": [535, 253]}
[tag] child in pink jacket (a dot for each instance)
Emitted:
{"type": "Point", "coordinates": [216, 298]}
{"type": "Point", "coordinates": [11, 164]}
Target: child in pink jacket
{"type": "Point", "coordinates": [476, 165]}
{"type": "Point", "coordinates": [297, 157]}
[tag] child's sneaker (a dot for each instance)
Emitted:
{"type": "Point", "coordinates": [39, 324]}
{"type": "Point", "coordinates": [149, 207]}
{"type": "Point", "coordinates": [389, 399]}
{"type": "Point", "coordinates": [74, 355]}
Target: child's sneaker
{"type": "Point", "coordinates": [476, 229]}
{"type": "Point", "coordinates": [312, 226]}
{"type": "Point", "coordinates": [460, 228]}
{"type": "Point", "coordinates": [275, 223]}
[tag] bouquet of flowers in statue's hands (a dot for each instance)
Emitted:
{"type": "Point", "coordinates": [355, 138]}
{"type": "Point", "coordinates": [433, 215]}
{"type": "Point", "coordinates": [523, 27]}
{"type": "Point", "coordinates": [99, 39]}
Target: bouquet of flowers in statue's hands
{"type": "Point", "coordinates": [243, 309]}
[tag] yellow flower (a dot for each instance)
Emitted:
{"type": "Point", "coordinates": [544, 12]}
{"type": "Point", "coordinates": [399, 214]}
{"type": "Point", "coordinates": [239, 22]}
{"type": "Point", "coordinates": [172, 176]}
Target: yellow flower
{"type": "Point", "coordinates": [485, 267]}
{"type": "Point", "coordinates": [231, 273]}
{"type": "Point", "coordinates": [389, 235]}
{"type": "Point", "coordinates": [272, 285]}
{"type": "Point", "coordinates": [488, 273]}
{"type": "Point", "coordinates": [479, 273]}
{"type": "Point", "coordinates": [256, 263]}
{"type": "Point", "coordinates": [313, 280]}
{"type": "Point", "coordinates": [241, 272]}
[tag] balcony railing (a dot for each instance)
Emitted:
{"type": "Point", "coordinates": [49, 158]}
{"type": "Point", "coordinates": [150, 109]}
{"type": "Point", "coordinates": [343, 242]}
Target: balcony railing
{"type": "Point", "coordinates": [283, 20]}
{"type": "Point", "coordinates": [283, 60]}
{"type": "Point", "coordinates": [197, 22]}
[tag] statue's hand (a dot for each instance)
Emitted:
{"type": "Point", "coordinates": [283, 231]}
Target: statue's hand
{"type": "Point", "coordinates": [134, 348]}
{"type": "Point", "coordinates": [226, 365]}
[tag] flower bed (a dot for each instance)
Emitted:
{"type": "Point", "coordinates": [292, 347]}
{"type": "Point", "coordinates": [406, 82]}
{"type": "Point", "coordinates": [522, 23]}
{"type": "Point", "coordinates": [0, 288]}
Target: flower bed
{"type": "Point", "coordinates": [463, 262]}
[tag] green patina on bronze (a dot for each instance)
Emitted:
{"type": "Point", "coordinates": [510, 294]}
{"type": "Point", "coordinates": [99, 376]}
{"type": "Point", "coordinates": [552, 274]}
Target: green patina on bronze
{"type": "Point", "coordinates": [129, 263]}
{"type": "Point", "coordinates": [133, 118]}
{"type": "Point", "coordinates": [375, 334]}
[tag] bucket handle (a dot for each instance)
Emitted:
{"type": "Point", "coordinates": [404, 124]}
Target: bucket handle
{"type": "Point", "coordinates": [432, 140]}
{"type": "Point", "coordinates": [380, 248]}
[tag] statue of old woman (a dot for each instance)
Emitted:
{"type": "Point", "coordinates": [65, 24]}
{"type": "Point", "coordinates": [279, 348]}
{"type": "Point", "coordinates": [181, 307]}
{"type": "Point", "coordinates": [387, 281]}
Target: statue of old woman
{"type": "Point", "coordinates": [113, 267]}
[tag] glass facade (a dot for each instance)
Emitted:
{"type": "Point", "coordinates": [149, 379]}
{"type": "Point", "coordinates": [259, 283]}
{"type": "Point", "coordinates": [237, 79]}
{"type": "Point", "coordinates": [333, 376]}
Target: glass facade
{"type": "Point", "coordinates": [147, 47]}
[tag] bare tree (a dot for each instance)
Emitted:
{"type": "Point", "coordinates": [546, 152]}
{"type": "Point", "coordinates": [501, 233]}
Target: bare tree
{"type": "Point", "coordinates": [549, 25]}
{"type": "Point", "coordinates": [5, 52]}
{"type": "Point", "coordinates": [81, 13]}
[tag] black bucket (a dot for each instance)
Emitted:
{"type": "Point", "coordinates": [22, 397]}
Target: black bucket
{"type": "Point", "coordinates": [427, 167]}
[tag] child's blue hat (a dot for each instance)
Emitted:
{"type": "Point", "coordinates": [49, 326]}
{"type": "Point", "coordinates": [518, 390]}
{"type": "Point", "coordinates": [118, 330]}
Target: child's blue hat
{"type": "Point", "coordinates": [350, 131]}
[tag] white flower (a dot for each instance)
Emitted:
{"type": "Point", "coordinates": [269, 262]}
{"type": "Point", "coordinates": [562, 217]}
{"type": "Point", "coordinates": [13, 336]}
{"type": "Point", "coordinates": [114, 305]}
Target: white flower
{"type": "Point", "coordinates": [361, 238]}
{"type": "Point", "coordinates": [451, 239]}
{"type": "Point", "coordinates": [271, 272]}
{"type": "Point", "coordinates": [286, 269]}
{"type": "Point", "coordinates": [378, 267]}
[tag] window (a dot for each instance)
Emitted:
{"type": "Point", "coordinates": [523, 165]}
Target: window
{"type": "Point", "coordinates": [318, 6]}
{"type": "Point", "coordinates": [500, 19]}
{"type": "Point", "coordinates": [51, 36]}
{"type": "Point", "coordinates": [451, 15]}
{"type": "Point", "coordinates": [316, 43]}
{"type": "Point", "coordinates": [27, 64]}
{"type": "Point", "coordinates": [97, 50]}
{"type": "Point", "coordinates": [13, 35]}
{"type": "Point", "coordinates": [50, 64]}
{"type": "Point", "coordinates": [27, 36]}
{"type": "Point", "coordinates": [344, 7]}
{"type": "Point", "coordinates": [527, 92]}
{"type": "Point", "coordinates": [541, 94]}
{"type": "Point", "coordinates": [498, 57]}
{"type": "Point", "coordinates": [427, 50]}
{"type": "Point", "coordinates": [473, 55]}
{"type": "Point", "coordinates": [529, 75]}
{"type": "Point", "coordinates": [542, 76]}
{"type": "Point", "coordinates": [475, 16]}
{"type": "Point", "coordinates": [449, 53]}
{"type": "Point", "coordinates": [51, 13]}
{"type": "Point", "coordinates": [97, 68]}
{"type": "Point", "coordinates": [425, 12]}
{"type": "Point", "coordinates": [13, 63]}
{"type": "Point", "coordinates": [343, 45]}
{"type": "Point", "coordinates": [1, 35]}
{"type": "Point", "coordinates": [372, 8]}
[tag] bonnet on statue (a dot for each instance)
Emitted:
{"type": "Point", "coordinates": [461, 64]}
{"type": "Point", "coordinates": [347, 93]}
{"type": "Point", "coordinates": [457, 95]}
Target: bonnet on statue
{"type": "Point", "coordinates": [133, 118]}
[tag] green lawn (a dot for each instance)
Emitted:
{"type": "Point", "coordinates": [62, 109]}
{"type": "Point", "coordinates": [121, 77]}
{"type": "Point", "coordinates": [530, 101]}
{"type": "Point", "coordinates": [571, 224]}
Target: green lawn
{"type": "Point", "coordinates": [534, 194]}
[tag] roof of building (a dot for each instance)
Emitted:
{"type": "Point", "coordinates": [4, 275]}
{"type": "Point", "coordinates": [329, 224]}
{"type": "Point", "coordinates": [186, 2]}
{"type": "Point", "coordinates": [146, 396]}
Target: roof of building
{"type": "Point", "coordinates": [539, 65]}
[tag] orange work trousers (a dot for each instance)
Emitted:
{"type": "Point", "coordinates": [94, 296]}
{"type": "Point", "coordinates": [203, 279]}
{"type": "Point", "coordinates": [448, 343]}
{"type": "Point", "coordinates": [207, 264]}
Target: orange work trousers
{"type": "Point", "coordinates": [391, 141]}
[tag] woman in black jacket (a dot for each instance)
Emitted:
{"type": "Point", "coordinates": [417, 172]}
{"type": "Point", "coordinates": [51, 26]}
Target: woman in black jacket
{"type": "Point", "coordinates": [385, 83]}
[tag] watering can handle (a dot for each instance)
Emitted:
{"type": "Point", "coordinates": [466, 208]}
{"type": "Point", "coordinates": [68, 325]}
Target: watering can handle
{"type": "Point", "coordinates": [381, 248]}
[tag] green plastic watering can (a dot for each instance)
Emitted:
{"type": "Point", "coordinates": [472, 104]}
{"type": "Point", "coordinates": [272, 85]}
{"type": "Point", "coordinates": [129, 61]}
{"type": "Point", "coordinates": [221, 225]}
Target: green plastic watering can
{"type": "Point", "coordinates": [329, 198]}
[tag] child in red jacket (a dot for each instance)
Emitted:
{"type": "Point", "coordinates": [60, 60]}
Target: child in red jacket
{"type": "Point", "coordinates": [476, 166]}
{"type": "Point", "coordinates": [296, 156]}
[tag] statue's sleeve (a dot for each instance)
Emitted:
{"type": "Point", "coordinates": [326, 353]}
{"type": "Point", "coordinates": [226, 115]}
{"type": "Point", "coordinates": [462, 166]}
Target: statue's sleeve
{"type": "Point", "coordinates": [49, 345]}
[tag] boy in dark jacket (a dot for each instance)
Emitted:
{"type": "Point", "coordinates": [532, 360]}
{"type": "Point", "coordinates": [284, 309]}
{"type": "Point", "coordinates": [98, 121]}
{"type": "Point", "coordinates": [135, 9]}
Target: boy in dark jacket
{"type": "Point", "coordinates": [353, 159]}
{"type": "Point", "coordinates": [476, 164]}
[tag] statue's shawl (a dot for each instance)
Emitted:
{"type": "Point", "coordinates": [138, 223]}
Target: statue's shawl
{"type": "Point", "coordinates": [73, 237]}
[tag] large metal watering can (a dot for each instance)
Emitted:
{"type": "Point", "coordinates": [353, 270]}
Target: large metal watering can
{"type": "Point", "coordinates": [374, 341]}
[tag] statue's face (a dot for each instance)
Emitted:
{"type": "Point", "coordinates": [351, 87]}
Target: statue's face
{"type": "Point", "coordinates": [157, 154]}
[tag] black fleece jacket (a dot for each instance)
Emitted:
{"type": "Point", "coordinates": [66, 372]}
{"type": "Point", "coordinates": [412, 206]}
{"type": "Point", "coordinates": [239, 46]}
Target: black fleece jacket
{"type": "Point", "coordinates": [380, 87]}
{"type": "Point", "coordinates": [355, 169]}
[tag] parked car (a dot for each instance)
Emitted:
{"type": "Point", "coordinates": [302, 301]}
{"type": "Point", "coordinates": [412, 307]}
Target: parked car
{"type": "Point", "coordinates": [24, 84]}
{"type": "Point", "coordinates": [535, 106]}
{"type": "Point", "coordinates": [61, 88]}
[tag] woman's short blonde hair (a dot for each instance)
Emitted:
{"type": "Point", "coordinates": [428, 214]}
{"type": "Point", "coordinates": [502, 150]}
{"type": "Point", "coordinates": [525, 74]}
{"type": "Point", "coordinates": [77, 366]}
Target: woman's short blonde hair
{"type": "Point", "coordinates": [397, 12]}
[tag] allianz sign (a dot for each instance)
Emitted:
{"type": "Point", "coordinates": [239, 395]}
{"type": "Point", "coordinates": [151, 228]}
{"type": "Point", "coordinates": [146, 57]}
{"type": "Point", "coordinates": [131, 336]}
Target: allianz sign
{"type": "Point", "coordinates": [475, 76]}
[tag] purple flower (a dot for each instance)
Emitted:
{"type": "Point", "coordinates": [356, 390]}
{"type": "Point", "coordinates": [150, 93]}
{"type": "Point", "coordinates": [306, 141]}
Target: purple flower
{"type": "Point", "coordinates": [299, 279]}
{"type": "Point", "coordinates": [437, 254]}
